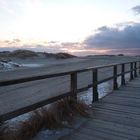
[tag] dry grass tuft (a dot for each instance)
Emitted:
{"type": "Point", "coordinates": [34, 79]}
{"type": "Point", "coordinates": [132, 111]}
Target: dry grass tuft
{"type": "Point", "coordinates": [51, 118]}
{"type": "Point", "coordinates": [80, 108]}
{"type": "Point", "coordinates": [10, 135]}
{"type": "Point", "coordinates": [31, 127]}
{"type": "Point", "coordinates": [2, 131]}
{"type": "Point", "coordinates": [57, 113]}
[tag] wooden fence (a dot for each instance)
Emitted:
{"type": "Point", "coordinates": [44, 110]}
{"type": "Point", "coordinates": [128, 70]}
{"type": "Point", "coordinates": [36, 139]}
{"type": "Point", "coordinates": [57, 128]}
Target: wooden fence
{"type": "Point", "coordinates": [134, 70]}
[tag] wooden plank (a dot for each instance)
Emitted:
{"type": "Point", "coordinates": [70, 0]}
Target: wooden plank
{"type": "Point", "coordinates": [129, 88]}
{"type": "Point", "coordinates": [111, 126]}
{"type": "Point", "coordinates": [131, 96]}
{"type": "Point", "coordinates": [80, 136]}
{"type": "Point", "coordinates": [122, 91]}
{"type": "Point", "coordinates": [102, 134]}
{"type": "Point", "coordinates": [132, 110]}
{"type": "Point", "coordinates": [134, 85]}
{"type": "Point", "coordinates": [117, 102]}
{"type": "Point", "coordinates": [113, 131]}
{"type": "Point", "coordinates": [125, 94]}
{"type": "Point", "coordinates": [116, 119]}
{"type": "Point", "coordinates": [117, 113]}
{"type": "Point", "coordinates": [126, 101]}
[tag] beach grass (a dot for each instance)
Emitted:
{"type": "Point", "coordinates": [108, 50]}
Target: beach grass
{"type": "Point", "coordinates": [53, 117]}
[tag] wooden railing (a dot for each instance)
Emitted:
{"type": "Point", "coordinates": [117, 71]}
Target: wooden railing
{"type": "Point", "coordinates": [134, 70]}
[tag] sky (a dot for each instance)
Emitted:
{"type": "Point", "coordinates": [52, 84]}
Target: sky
{"type": "Point", "coordinates": [81, 27]}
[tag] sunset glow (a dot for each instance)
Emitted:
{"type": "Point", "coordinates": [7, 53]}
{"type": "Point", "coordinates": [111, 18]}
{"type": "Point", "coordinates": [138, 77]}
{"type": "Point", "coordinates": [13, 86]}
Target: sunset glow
{"type": "Point", "coordinates": [38, 22]}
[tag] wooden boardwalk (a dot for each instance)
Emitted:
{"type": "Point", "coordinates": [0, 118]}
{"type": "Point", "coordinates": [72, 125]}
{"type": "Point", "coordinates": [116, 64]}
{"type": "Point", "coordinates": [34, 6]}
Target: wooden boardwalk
{"type": "Point", "coordinates": [114, 117]}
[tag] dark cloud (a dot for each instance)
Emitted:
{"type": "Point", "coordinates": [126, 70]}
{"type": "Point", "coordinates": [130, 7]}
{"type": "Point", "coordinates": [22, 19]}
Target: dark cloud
{"type": "Point", "coordinates": [115, 38]}
{"type": "Point", "coordinates": [127, 51]}
{"type": "Point", "coordinates": [136, 9]}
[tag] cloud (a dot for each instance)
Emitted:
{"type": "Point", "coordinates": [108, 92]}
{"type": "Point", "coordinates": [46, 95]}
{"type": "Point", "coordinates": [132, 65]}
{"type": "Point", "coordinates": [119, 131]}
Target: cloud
{"type": "Point", "coordinates": [9, 43]}
{"type": "Point", "coordinates": [115, 37]}
{"type": "Point", "coordinates": [13, 8]}
{"type": "Point", "coordinates": [122, 38]}
{"type": "Point", "coordinates": [136, 9]}
{"type": "Point", "coordinates": [52, 47]}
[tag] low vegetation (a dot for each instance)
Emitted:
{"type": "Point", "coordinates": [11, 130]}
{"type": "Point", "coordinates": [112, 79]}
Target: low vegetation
{"type": "Point", "coordinates": [23, 54]}
{"type": "Point", "coordinates": [64, 110]}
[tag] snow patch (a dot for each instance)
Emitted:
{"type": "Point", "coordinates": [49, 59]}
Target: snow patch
{"type": "Point", "coordinates": [6, 66]}
{"type": "Point", "coordinates": [32, 65]}
{"type": "Point", "coordinates": [103, 89]}
{"type": "Point", "coordinates": [14, 123]}
{"type": "Point", "coordinates": [9, 65]}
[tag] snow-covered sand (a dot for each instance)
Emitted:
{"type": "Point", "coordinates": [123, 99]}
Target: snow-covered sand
{"type": "Point", "coordinates": [11, 65]}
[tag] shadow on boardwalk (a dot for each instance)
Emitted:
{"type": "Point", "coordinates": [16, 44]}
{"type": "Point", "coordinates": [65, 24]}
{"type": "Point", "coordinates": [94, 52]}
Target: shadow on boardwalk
{"type": "Point", "coordinates": [115, 117]}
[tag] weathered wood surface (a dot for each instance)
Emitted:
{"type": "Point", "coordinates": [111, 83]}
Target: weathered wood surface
{"type": "Point", "coordinates": [114, 117]}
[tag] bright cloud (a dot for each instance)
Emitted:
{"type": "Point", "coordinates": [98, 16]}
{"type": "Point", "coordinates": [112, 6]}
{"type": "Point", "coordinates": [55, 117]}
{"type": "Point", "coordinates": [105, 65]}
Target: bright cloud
{"type": "Point", "coordinates": [61, 21]}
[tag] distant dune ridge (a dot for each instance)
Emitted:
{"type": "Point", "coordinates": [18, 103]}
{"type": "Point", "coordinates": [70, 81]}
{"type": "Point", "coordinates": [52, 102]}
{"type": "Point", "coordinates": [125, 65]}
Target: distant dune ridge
{"type": "Point", "coordinates": [8, 60]}
{"type": "Point", "coordinates": [27, 54]}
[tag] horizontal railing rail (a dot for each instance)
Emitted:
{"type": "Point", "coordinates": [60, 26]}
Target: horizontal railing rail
{"type": "Point", "coordinates": [134, 70]}
{"type": "Point", "coordinates": [41, 77]}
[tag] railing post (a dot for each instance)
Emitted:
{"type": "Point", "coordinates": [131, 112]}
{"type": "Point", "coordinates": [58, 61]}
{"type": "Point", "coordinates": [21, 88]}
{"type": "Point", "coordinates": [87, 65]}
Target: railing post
{"type": "Point", "coordinates": [95, 85]}
{"type": "Point", "coordinates": [115, 84]}
{"type": "Point", "coordinates": [135, 69]}
{"type": "Point", "coordinates": [139, 67]}
{"type": "Point", "coordinates": [123, 75]}
{"type": "Point", "coordinates": [74, 86]}
{"type": "Point", "coordinates": [131, 69]}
